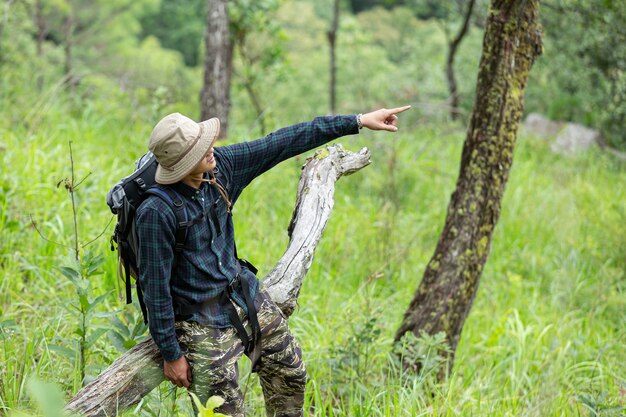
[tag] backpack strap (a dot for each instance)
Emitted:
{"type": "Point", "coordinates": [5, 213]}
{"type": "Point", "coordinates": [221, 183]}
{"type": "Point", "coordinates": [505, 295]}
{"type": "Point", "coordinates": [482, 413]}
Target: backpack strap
{"type": "Point", "coordinates": [182, 224]}
{"type": "Point", "coordinates": [180, 211]}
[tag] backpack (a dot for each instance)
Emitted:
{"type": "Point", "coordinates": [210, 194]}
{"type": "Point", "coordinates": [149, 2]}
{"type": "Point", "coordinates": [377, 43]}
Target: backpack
{"type": "Point", "coordinates": [124, 199]}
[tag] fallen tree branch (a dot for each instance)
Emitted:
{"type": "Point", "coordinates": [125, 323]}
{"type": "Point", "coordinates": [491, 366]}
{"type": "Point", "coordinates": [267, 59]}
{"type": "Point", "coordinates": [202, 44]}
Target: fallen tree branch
{"type": "Point", "coordinates": [139, 371]}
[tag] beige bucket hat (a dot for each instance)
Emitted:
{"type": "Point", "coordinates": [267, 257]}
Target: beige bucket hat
{"type": "Point", "coordinates": [179, 144]}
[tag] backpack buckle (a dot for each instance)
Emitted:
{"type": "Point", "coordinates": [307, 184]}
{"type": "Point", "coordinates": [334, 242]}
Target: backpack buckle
{"type": "Point", "coordinates": [141, 183]}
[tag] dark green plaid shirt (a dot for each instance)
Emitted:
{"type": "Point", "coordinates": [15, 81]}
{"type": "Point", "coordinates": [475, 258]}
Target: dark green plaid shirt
{"type": "Point", "coordinates": [207, 263]}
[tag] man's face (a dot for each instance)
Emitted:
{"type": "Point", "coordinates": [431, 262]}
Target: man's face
{"type": "Point", "coordinates": [206, 164]}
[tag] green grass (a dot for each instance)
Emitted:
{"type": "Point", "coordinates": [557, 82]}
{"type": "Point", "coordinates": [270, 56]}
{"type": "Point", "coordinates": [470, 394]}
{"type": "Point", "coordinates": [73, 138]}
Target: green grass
{"type": "Point", "coordinates": [545, 336]}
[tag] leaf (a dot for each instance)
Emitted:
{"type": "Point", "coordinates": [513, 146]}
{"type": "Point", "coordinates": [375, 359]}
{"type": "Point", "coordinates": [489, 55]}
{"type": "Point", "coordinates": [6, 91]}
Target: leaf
{"type": "Point", "coordinates": [214, 402]}
{"type": "Point", "coordinates": [197, 402]}
{"type": "Point", "coordinates": [49, 397]}
{"type": "Point", "coordinates": [211, 404]}
{"type": "Point", "coordinates": [92, 261]}
{"type": "Point", "coordinates": [8, 324]}
{"type": "Point", "coordinates": [63, 350]}
{"type": "Point", "coordinates": [140, 329]}
{"type": "Point", "coordinates": [98, 300]}
{"type": "Point", "coordinates": [105, 314]}
{"type": "Point", "coordinates": [118, 324]}
{"type": "Point", "coordinates": [84, 301]}
{"type": "Point", "coordinates": [117, 341]}
{"type": "Point", "coordinates": [94, 336]}
{"type": "Point", "coordinates": [130, 343]}
{"type": "Point", "coordinates": [71, 274]}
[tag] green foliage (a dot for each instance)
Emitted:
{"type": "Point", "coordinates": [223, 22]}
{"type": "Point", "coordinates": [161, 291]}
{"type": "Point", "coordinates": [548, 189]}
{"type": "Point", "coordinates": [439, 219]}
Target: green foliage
{"type": "Point", "coordinates": [353, 358]}
{"type": "Point", "coordinates": [127, 330]}
{"type": "Point", "coordinates": [178, 26]}
{"type": "Point", "coordinates": [581, 76]}
{"type": "Point", "coordinates": [421, 357]}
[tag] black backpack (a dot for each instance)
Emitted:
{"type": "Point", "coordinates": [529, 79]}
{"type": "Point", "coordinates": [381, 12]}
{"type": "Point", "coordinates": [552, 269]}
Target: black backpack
{"type": "Point", "coordinates": [124, 199]}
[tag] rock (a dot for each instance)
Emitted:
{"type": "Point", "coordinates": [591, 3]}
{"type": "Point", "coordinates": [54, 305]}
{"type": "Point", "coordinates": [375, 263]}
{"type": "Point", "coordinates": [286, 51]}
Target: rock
{"type": "Point", "coordinates": [575, 138]}
{"type": "Point", "coordinates": [540, 126]}
{"type": "Point", "coordinates": [569, 138]}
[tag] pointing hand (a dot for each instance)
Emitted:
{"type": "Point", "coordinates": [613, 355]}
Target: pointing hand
{"type": "Point", "coordinates": [383, 119]}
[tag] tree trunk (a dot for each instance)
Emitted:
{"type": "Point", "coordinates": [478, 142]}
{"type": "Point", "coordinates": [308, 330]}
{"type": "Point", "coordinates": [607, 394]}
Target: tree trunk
{"type": "Point", "coordinates": [218, 64]}
{"type": "Point", "coordinates": [452, 48]}
{"type": "Point", "coordinates": [140, 370]}
{"type": "Point", "coordinates": [332, 41]}
{"type": "Point", "coordinates": [444, 297]}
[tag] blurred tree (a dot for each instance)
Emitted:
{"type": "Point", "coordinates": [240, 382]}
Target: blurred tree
{"type": "Point", "coordinates": [218, 65]}
{"type": "Point", "coordinates": [329, 10]}
{"type": "Point", "coordinates": [259, 45]}
{"type": "Point", "coordinates": [447, 14]}
{"type": "Point", "coordinates": [332, 42]}
{"type": "Point", "coordinates": [445, 295]}
{"type": "Point", "coordinates": [179, 25]}
{"type": "Point", "coordinates": [89, 32]}
{"type": "Point", "coordinates": [453, 45]}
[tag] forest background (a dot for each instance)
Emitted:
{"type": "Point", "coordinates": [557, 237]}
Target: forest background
{"type": "Point", "coordinates": [546, 335]}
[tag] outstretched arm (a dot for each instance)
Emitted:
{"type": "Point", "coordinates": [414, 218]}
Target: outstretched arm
{"type": "Point", "coordinates": [245, 161]}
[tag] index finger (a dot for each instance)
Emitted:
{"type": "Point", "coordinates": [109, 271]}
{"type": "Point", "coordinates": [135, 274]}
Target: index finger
{"type": "Point", "coordinates": [399, 109]}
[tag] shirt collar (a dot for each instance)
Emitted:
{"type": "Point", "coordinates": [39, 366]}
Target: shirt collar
{"type": "Point", "coordinates": [188, 191]}
{"type": "Point", "coordinates": [185, 190]}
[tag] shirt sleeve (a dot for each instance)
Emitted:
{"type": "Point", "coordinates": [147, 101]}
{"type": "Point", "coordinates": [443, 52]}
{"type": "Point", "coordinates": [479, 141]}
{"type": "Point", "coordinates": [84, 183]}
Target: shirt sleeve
{"type": "Point", "coordinates": [155, 233]}
{"type": "Point", "coordinates": [247, 160]}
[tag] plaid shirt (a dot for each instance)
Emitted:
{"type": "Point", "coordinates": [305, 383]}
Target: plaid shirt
{"type": "Point", "coordinates": [207, 263]}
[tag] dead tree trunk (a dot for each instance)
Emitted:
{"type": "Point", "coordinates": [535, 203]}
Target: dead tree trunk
{"type": "Point", "coordinates": [218, 64]}
{"type": "Point", "coordinates": [452, 48]}
{"type": "Point", "coordinates": [139, 371]}
{"type": "Point", "coordinates": [332, 42]}
{"type": "Point", "coordinates": [444, 297]}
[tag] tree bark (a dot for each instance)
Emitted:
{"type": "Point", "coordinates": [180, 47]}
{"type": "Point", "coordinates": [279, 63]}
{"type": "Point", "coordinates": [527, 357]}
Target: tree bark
{"type": "Point", "coordinates": [139, 371]}
{"type": "Point", "coordinates": [444, 297]}
{"type": "Point", "coordinates": [452, 49]}
{"type": "Point", "coordinates": [332, 42]}
{"type": "Point", "coordinates": [218, 64]}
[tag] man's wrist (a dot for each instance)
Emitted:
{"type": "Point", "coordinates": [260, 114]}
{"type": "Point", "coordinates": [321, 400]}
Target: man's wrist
{"type": "Point", "coordinates": [359, 121]}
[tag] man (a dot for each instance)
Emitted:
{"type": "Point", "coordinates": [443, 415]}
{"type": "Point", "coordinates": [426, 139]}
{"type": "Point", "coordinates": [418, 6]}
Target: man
{"type": "Point", "coordinates": [205, 307]}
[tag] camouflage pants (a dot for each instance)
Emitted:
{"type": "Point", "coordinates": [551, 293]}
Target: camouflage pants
{"type": "Point", "coordinates": [213, 354]}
